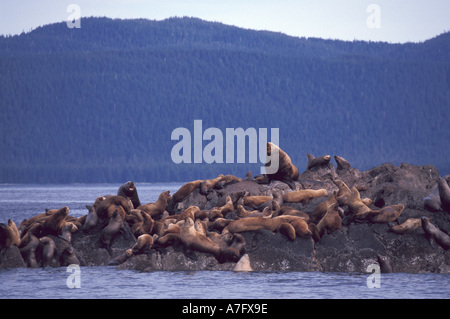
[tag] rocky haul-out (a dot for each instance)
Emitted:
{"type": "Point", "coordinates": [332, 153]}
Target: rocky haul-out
{"type": "Point", "coordinates": [328, 218]}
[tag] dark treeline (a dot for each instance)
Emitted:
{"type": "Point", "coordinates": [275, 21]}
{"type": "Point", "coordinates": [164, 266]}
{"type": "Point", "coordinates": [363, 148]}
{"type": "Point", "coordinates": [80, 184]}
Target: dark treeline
{"type": "Point", "coordinates": [99, 104]}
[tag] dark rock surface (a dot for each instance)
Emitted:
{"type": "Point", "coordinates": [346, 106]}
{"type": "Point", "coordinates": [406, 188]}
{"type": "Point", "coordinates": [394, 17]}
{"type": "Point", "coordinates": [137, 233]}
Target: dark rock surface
{"type": "Point", "coordinates": [352, 248]}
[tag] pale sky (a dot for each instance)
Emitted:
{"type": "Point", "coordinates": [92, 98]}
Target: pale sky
{"type": "Point", "coordinates": [374, 20]}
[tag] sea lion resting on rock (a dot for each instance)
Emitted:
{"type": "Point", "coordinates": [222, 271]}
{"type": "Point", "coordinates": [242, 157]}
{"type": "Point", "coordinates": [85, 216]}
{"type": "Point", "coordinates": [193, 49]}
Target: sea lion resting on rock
{"type": "Point", "coordinates": [331, 221]}
{"type": "Point", "coordinates": [407, 226]}
{"type": "Point", "coordinates": [128, 190]}
{"type": "Point", "coordinates": [303, 195]}
{"type": "Point", "coordinates": [157, 208]}
{"type": "Point", "coordinates": [182, 193]}
{"type": "Point", "coordinates": [444, 194]}
{"type": "Point", "coordinates": [48, 250]}
{"type": "Point", "coordinates": [102, 204]}
{"type": "Point", "coordinates": [110, 231]}
{"type": "Point", "coordinates": [435, 233]}
{"type": "Point", "coordinates": [317, 161]}
{"type": "Point", "coordinates": [286, 172]}
{"type": "Point", "coordinates": [9, 235]}
{"type": "Point", "coordinates": [292, 226]}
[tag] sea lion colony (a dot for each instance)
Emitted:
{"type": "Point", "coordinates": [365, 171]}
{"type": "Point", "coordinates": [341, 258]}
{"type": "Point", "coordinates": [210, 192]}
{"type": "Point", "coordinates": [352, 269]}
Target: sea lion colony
{"type": "Point", "coordinates": [216, 227]}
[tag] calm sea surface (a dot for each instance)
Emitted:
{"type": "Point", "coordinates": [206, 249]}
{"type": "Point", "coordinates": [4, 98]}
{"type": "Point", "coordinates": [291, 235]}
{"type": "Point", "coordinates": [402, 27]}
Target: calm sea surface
{"type": "Point", "coordinates": [23, 201]}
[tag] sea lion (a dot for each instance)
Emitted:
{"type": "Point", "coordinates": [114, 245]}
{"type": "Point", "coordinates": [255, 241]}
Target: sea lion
{"type": "Point", "coordinates": [157, 208]}
{"type": "Point", "coordinates": [102, 203]}
{"type": "Point", "coordinates": [228, 207]}
{"type": "Point", "coordinates": [143, 244]}
{"type": "Point", "coordinates": [355, 205]}
{"type": "Point", "coordinates": [48, 250]}
{"type": "Point", "coordinates": [330, 222]}
{"type": "Point", "coordinates": [142, 223]}
{"type": "Point", "coordinates": [91, 219]}
{"type": "Point", "coordinates": [67, 231]}
{"type": "Point", "coordinates": [227, 179]}
{"type": "Point", "coordinates": [286, 172]}
{"type": "Point", "coordinates": [444, 194]}
{"type": "Point", "coordinates": [121, 258]}
{"type": "Point", "coordinates": [194, 241]}
{"type": "Point", "coordinates": [110, 231]}
{"type": "Point", "coordinates": [54, 224]}
{"type": "Point", "coordinates": [435, 233]}
{"type": "Point", "coordinates": [9, 235]}
{"type": "Point", "coordinates": [68, 257]}
{"type": "Point", "coordinates": [303, 195]}
{"type": "Point", "coordinates": [386, 214]}
{"type": "Point", "coordinates": [128, 190]}
{"type": "Point", "coordinates": [343, 193]}
{"type": "Point", "coordinates": [342, 163]}
{"type": "Point", "coordinates": [433, 202]}
{"type": "Point", "coordinates": [298, 223]}
{"type": "Point", "coordinates": [182, 193]}
{"type": "Point", "coordinates": [256, 201]}
{"type": "Point", "coordinates": [28, 252]}
{"type": "Point", "coordinates": [208, 184]}
{"type": "Point", "coordinates": [252, 223]}
{"type": "Point", "coordinates": [317, 161]}
{"type": "Point", "coordinates": [385, 264]}
{"type": "Point", "coordinates": [323, 207]}
{"type": "Point", "coordinates": [407, 226]}
{"type": "Point", "coordinates": [235, 197]}
{"type": "Point", "coordinates": [219, 224]}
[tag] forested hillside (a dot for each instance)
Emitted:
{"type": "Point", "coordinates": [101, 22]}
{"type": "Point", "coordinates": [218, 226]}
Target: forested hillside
{"type": "Point", "coordinates": [99, 104]}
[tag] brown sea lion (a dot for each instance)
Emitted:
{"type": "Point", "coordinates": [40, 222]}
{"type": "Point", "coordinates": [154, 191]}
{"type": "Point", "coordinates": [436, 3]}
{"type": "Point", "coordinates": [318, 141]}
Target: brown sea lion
{"type": "Point", "coordinates": [317, 161]}
{"type": "Point", "coordinates": [143, 244]}
{"type": "Point", "coordinates": [54, 224]}
{"type": "Point", "coordinates": [342, 163]}
{"type": "Point", "coordinates": [385, 264]}
{"type": "Point", "coordinates": [343, 193]}
{"type": "Point", "coordinates": [182, 193]}
{"type": "Point", "coordinates": [91, 219]}
{"type": "Point", "coordinates": [323, 207]}
{"type": "Point", "coordinates": [69, 257]}
{"type": "Point", "coordinates": [48, 250]}
{"type": "Point", "coordinates": [444, 194]}
{"type": "Point", "coordinates": [356, 205]}
{"type": "Point", "coordinates": [386, 214]}
{"type": "Point", "coordinates": [121, 258]}
{"type": "Point", "coordinates": [256, 201]}
{"type": "Point", "coordinates": [102, 203]}
{"type": "Point", "coordinates": [194, 241]}
{"type": "Point", "coordinates": [128, 190]}
{"type": "Point", "coordinates": [433, 202]}
{"type": "Point", "coordinates": [303, 195]}
{"type": "Point", "coordinates": [286, 172]}
{"type": "Point", "coordinates": [235, 197]}
{"type": "Point", "coordinates": [330, 222]}
{"type": "Point", "coordinates": [435, 233]}
{"type": "Point", "coordinates": [407, 226]}
{"type": "Point", "coordinates": [67, 231]}
{"type": "Point", "coordinates": [9, 235]}
{"type": "Point", "coordinates": [28, 251]}
{"type": "Point", "coordinates": [227, 179]}
{"type": "Point", "coordinates": [228, 207]}
{"type": "Point", "coordinates": [208, 184]}
{"type": "Point", "coordinates": [110, 231]}
{"type": "Point", "coordinates": [142, 222]}
{"type": "Point", "coordinates": [157, 208]}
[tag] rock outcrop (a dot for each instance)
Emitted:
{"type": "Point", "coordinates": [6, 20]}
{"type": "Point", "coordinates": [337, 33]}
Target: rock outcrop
{"type": "Point", "coordinates": [356, 241]}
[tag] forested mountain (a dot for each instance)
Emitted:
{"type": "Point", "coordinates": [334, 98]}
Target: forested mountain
{"type": "Point", "coordinates": [99, 103]}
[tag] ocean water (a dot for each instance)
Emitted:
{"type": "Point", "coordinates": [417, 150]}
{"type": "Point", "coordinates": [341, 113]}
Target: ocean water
{"type": "Point", "coordinates": [23, 201]}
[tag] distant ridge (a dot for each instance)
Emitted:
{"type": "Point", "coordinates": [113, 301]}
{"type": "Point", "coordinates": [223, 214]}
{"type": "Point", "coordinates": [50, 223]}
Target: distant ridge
{"type": "Point", "coordinates": [98, 104]}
